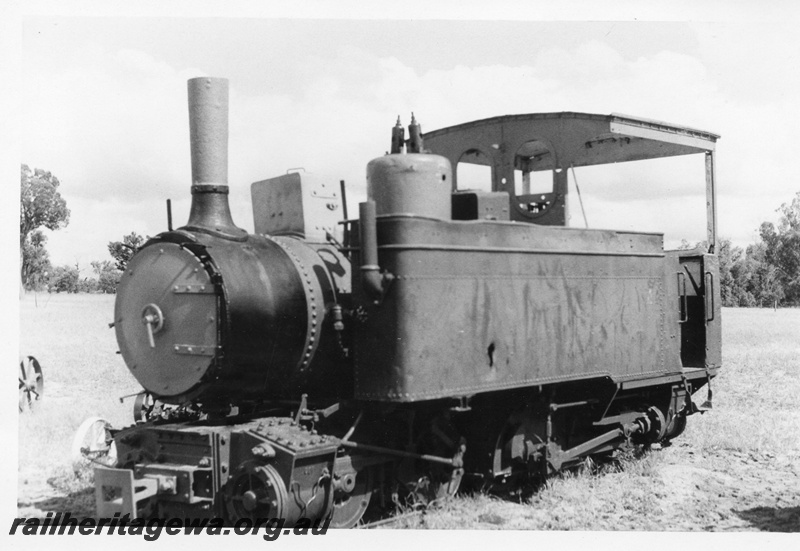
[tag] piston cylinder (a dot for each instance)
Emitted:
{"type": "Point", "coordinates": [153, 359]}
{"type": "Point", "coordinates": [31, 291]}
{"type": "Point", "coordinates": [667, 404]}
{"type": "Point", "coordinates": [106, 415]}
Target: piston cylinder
{"type": "Point", "coordinates": [415, 183]}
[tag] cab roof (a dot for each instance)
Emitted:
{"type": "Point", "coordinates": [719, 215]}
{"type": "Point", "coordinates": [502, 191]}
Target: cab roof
{"type": "Point", "coordinates": [544, 141]}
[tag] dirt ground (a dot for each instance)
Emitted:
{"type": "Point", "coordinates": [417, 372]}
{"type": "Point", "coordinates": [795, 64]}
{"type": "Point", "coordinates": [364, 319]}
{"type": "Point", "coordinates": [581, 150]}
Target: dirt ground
{"type": "Point", "coordinates": [736, 468]}
{"type": "Point", "coordinates": [731, 490]}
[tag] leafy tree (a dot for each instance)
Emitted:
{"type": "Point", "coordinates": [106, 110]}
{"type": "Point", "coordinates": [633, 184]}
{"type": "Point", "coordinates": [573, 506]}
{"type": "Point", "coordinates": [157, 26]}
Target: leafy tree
{"type": "Point", "coordinates": [728, 257]}
{"type": "Point", "coordinates": [790, 219]}
{"type": "Point", "coordinates": [768, 271]}
{"type": "Point", "coordinates": [107, 276]}
{"type": "Point", "coordinates": [35, 261]}
{"type": "Point", "coordinates": [782, 248]}
{"type": "Point", "coordinates": [40, 205]}
{"type": "Point", "coordinates": [122, 251]}
{"type": "Point", "coordinates": [87, 285]}
{"type": "Point", "coordinates": [65, 279]}
{"type": "Point", "coordinates": [740, 291]}
{"type": "Point", "coordinates": [767, 285]}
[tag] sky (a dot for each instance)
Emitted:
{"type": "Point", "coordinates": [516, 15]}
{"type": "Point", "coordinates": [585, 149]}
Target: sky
{"type": "Point", "coordinates": [102, 104]}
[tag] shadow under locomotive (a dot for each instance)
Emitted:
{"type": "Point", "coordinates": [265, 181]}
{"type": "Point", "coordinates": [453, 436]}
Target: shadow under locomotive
{"type": "Point", "coordinates": [323, 366]}
{"type": "Point", "coordinates": [772, 519]}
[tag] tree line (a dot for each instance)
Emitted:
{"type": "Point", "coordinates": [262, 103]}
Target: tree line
{"type": "Point", "coordinates": [42, 206]}
{"type": "Point", "coordinates": [40, 275]}
{"type": "Point", "coordinates": [765, 273]}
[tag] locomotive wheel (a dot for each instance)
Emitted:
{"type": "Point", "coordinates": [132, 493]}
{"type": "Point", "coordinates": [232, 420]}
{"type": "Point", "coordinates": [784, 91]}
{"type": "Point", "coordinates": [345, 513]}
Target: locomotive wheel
{"type": "Point", "coordinates": [447, 486]}
{"type": "Point", "coordinates": [31, 382]}
{"type": "Point", "coordinates": [434, 486]}
{"type": "Point", "coordinates": [93, 443]}
{"type": "Point", "coordinates": [257, 491]}
{"type": "Point", "coordinates": [438, 482]}
{"type": "Point", "coordinates": [349, 506]}
{"type": "Point", "coordinates": [676, 426]}
{"type": "Point", "coordinates": [658, 424]}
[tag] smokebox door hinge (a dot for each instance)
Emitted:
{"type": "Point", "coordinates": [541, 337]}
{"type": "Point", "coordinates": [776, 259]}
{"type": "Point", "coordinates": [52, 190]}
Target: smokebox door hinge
{"type": "Point", "coordinates": [193, 290]}
{"type": "Point", "coordinates": [195, 349]}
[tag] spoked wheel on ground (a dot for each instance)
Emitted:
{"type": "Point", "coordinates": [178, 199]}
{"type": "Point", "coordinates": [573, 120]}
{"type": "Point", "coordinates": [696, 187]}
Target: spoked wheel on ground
{"type": "Point", "coordinates": [31, 382]}
{"type": "Point", "coordinates": [93, 443]}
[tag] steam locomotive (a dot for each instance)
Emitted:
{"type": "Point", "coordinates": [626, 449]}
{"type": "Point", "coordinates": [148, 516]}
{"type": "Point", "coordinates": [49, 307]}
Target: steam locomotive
{"type": "Point", "coordinates": [447, 334]}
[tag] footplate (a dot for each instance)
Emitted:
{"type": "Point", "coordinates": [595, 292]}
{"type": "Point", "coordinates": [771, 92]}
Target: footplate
{"type": "Point", "coordinates": [116, 491]}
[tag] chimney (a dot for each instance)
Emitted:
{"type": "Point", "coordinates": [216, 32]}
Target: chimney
{"type": "Point", "coordinates": [208, 130]}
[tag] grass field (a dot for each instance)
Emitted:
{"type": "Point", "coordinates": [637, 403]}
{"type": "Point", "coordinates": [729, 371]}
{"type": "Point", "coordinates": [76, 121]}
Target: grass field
{"type": "Point", "coordinates": [84, 377]}
{"type": "Point", "coordinates": [735, 468]}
